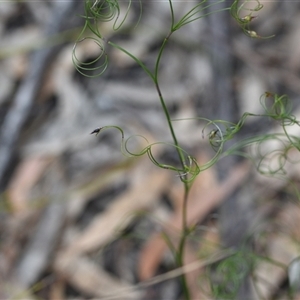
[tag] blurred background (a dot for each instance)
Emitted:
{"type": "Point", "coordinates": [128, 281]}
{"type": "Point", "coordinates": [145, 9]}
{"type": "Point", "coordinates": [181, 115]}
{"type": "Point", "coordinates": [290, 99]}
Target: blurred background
{"type": "Point", "coordinates": [81, 221]}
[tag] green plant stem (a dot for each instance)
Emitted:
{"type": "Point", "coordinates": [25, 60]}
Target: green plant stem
{"type": "Point", "coordinates": [163, 104]}
{"type": "Point", "coordinates": [180, 251]}
{"type": "Point", "coordinates": [184, 233]}
{"type": "Point", "coordinates": [170, 125]}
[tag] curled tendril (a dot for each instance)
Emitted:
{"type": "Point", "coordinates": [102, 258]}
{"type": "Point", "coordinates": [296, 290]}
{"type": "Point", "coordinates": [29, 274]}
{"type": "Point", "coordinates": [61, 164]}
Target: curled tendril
{"type": "Point", "coordinates": [187, 174]}
{"type": "Point", "coordinates": [94, 67]}
{"type": "Point", "coordinates": [279, 108]}
{"type": "Point", "coordinates": [106, 11]}
{"type": "Point", "coordinates": [244, 22]}
{"type": "Point", "coordinates": [271, 155]}
{"type": "Point", "coordinates": [269, 152]}
{"type": "Point", "coordinates": [215, 136]}
{"type": "Point", "coordinates": [103, 11]}
{"type": "Point", "coordinates": [97, 11]}
{"type": "Point", "coordinates": [189, 171]}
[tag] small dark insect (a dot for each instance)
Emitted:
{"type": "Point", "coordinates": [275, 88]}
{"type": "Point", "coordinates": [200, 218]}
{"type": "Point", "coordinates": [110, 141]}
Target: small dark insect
{"type": "Point", "coordinates": [96, 131]}
{"type": "Point", "coordinates": [268, 94]}
{"type": "Point", "coordinates": [213, 133]}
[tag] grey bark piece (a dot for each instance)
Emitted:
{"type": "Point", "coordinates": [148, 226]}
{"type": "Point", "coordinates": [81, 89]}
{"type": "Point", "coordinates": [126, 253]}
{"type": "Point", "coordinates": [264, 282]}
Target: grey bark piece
{"type": "Point", "coordinates": [36, 256]}
{"type": "Point", "coordinates": [24, 99]}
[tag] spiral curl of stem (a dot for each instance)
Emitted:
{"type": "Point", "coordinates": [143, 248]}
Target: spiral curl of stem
{"type": "Point", "coordinates": [191, 169]}
{"type": "Point", "coordinates": [244, 22]}
{"type": "Point", "coordinates": [96, 12]}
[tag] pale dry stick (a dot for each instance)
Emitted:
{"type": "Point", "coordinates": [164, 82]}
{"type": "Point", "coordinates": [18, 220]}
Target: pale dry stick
{"type": "Point", "coordinates": [26, 176]}
{"type": "Point", "coordinates": [120, 211]}
{"type": "Point", "coordinates": [88, 278]}
{"type": "Point", "coordinates": [173, 274]}
{"type": "Point", "coordinates": [37, 253]}
{"type": "Point", "coordinates": [23, 210]}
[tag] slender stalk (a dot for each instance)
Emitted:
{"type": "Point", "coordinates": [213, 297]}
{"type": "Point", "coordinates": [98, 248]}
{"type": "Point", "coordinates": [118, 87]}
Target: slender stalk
{"type": "Point", "coordinates": [172, 14]}
{"type": "Point", "coordinates": [163, 104]}
{"type": "Point", "coordinates": [180, 252]}
{"type": "Point", "coordinates": [184, 233]}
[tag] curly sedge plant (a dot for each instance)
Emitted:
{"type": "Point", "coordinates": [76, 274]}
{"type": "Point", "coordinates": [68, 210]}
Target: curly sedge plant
{"type": "Point", "coordinates": [275, 107]}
